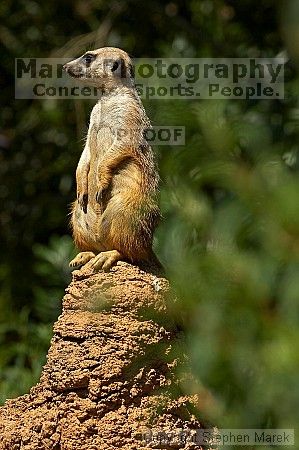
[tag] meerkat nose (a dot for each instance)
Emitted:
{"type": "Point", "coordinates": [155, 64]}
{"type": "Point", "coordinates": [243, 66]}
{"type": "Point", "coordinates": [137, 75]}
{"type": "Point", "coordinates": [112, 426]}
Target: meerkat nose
{"type": "Point", "coordinates": [65, 67]}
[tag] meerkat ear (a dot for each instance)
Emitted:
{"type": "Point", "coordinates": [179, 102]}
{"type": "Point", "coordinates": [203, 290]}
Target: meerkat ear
{"type": "Point", "coordinates": [119, 67]}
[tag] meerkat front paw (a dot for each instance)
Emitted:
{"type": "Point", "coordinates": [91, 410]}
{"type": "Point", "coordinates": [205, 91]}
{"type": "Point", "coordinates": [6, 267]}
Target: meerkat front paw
{"type": "Point", "coordinates": [103, 184]}
{"type": "Point", "coordinates": [83, 201]}
{"type": "Point", "coordinates": [100, 195]}
{"type": "Point", "coordinates": [81, 259]}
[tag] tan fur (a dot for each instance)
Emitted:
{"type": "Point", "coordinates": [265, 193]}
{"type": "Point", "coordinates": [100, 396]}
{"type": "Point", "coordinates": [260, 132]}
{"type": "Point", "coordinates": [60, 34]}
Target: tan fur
{"type": "Point", "coordinates": [116, 210]}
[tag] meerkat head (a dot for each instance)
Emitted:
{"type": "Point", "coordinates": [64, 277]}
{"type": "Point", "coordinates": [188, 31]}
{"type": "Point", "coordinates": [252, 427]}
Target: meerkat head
{"type": "Point", "coordinates": [106, 68]}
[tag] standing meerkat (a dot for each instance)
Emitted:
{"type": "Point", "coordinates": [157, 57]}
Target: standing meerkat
{"type": "Point", "coordinates": [116, 211]}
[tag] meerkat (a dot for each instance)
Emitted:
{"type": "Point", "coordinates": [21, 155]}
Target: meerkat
{"type": "Point", "coordinates": [116, 210]}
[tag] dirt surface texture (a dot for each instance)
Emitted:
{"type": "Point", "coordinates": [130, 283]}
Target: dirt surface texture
{"type": "Point", "coordinates": [111, 378]}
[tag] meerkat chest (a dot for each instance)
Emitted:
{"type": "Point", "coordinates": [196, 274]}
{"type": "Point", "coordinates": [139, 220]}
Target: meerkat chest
{"type": "Point", "coordinates": [95, 116]}
{"type": "Point", "coordinates": [103, 123]}
{"type": "Point", "coordinates": [95, 131]}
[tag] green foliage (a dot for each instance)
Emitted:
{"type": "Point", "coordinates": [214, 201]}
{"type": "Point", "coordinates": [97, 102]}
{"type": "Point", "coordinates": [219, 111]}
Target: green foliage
{"type": "Point", "coordinates": [239, 246]}
{"type": "Point", "coordinates": [229, 197]}
{"type": "Point", "coordinates": [52, 268]}
{"type": "Point", "coordinates": [24, 352]}
{"type": "Point", "coordinates": [27, 339]}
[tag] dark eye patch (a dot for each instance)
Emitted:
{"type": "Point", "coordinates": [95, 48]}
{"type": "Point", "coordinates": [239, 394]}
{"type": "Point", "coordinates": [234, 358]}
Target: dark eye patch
{"type": "Point", "coordinates": [114, 66]}
{"type": "Point", "coordinates": [88, 58]}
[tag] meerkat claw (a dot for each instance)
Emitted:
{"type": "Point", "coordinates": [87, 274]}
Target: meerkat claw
{"type": "Point", "coordinates": [99, 196]}
{"type": "Point", "coordinates": [83, 201]}
{"type": "Point", "coordinates": [81, 259]}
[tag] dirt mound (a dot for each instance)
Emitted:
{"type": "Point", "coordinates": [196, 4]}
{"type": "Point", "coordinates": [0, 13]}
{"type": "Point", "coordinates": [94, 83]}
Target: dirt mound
{"type": "Point", "coordinates": [110, 376]}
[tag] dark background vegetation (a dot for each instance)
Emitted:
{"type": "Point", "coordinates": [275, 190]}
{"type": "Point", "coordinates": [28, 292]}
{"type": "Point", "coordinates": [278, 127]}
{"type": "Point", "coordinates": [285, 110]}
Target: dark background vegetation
{"type": "Point", "coordinates": [229, 197]}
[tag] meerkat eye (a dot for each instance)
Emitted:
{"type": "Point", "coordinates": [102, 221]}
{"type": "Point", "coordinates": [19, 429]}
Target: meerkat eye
{"type": "Point", "coordinates": [115, 66]}
{"type": "Point", "coordinates": [88, 58]}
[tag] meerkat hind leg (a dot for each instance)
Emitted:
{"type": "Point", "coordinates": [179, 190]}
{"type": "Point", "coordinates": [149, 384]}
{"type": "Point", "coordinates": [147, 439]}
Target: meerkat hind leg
{"type": "Point", "coordinates": [81, 259]}
{"type": "Point", "coordinates": [105, 260]}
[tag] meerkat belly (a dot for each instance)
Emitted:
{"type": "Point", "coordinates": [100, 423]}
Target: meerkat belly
{"type": "Point", "coordinates": [88, 222]}
{"type": "Point", "coordinates": [85, 228]}
{"type": "Point", "coordinates": [126, 179]}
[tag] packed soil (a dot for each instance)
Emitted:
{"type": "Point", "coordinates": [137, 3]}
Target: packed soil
{"type": "Point", "coordinates": [111, 378]}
